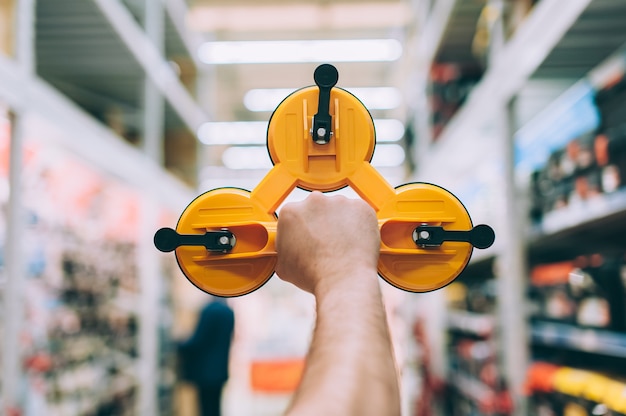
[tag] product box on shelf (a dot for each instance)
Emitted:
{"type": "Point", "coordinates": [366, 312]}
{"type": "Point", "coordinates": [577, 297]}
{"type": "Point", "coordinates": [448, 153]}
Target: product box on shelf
{"type": "Point", "coordinates": [555, 390]}
{"type": "Point", "coordinates": [587, 291]}
{"type": "Point", "coordinates": [450, 86]}
{"type": "Point", "coordinates": [590, 165]}
{"type": "Point", "coordinates": [476, 383]}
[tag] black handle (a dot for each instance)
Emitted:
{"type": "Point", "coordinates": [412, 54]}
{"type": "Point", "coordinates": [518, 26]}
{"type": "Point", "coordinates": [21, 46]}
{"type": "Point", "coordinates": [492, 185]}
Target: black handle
{"type": "Point", "coordinates": [167, 239]}
{"type": "Point", "coordinates": [481, 236]}
{"type": "Point", "coordinates": [325, 77]}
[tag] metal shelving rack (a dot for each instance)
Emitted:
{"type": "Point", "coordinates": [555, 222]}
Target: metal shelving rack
{"type": "Point", "coordinates": [555, 45]}
{"type": "Point", "coordinates": [136, 37]}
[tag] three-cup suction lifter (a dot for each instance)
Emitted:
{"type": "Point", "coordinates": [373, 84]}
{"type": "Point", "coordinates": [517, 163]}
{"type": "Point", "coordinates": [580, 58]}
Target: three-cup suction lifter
{"type": "Point", "coordinates": [322, 138]}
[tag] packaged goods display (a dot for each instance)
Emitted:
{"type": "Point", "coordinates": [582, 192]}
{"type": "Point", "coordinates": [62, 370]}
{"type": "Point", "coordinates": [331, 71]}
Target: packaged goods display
{"type": "Point", "coordinates": [587, 291]}
{"type": "Point", "coordinates": [561, 390]}
{"type": "Point", "coordinates": [450, 87]}
{"type": "Point", "coordinates": [589, 166]}
{"type": "Point", "coordinates": [476, 382]}
{"type": "Point", "coordinates": [80, 336]}
{"type": "Point", "coordinates": [81, 322]}
{"type": "Point", "coordinates": [577, 288]}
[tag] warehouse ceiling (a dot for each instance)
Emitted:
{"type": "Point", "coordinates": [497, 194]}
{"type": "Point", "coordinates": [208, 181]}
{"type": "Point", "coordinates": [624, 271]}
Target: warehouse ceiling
{"type": "Point", "coordinates": [80, 53]}
{"type": "Point", "coordinates": [291, 20]}
{"type": "Point", "coordinates": [242, 20]}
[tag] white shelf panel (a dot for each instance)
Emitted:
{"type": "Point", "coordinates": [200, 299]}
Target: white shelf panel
{"type": "Point", "coordinates": [83, 135]}
{"type": "Point", "coordinates": [177, 11]}
{"type": "Point", "coordinates": [580, 214]}
{"type": "Point", "coordinates": [474, 323]}
{"type": "Point", "coordinates": [519, 58]}
{"type": "Point", "coordinates": [153, 63]}
{"type": "Point", "coordinates": [579, 339]}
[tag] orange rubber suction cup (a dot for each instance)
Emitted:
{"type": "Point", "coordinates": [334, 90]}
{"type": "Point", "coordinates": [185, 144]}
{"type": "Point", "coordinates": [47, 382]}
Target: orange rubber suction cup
{"type": "Point", "coordinates": [224, 242]}
{"type": "Point", "coordinates": [412, 257]}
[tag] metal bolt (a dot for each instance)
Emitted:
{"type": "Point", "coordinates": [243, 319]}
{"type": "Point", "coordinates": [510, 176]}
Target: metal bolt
{"type": "Point", "coordinates": [224, 240]}
{"type": "Point", "coordinates": [424, 235]}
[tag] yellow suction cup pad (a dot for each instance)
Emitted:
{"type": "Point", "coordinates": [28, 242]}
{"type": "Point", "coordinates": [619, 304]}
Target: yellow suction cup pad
{"type": "Point", "coordinates": [322, 138]}
{"type": "Point", "coordinates": [321, 167]}
{"type": "Point", "coordinates": [408, 266]}
{"type": "Point", "coordinates": [252, 259]}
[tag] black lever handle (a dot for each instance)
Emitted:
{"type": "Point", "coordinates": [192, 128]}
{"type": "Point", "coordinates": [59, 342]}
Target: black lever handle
{"type": "Point", "coordinates": [167, 239]}
{"type": "Point", "coordinates": [325, 77]}
{"type": "Point", "coordinates": [481, 236]}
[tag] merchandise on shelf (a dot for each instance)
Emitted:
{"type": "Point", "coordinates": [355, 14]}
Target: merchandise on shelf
{"type": "Point", "coordinates": [560, 390]}
{"type": "Point", "coordinates": [450, 87]}
{"type": "Point", "coordinates": [476, 384]}
{"type": "Point", "coordinates": [611, 142]}
{"type": "Point", "coordinates": [590, 165]}
{"type": "Point", "coordinates": [587, 291]}
{"type": "Point", "coordinates": [80, 337]}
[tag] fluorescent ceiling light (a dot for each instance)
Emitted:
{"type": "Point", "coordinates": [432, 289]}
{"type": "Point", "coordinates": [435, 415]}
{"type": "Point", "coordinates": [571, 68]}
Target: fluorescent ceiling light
{"type": "Point", "coordinates": [255, 132]}
{"type": "Point", "coordinates": [248, 157]}
{"type": "Point", "coordinates": [388, 156]}
{"type": "Point", "coordinates": [257, 157]}
{"type": "Point", "coordinates": [388, 130]}
{"type": "Point", "coordinates": [350, 50]}
{"type": "Point", "coordinates": [233, 133]}
{"type": "Point", "coordinates": [374, 98]}
{"type": "Point", "coordinates": [299, 17]}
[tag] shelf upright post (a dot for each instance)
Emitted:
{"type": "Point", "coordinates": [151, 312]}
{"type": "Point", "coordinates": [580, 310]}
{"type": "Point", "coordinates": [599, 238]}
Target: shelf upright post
{"type": "Point", "coordinates": [511, 263]}
{"type": "Point", "coordinates": [147, 257]}
{"type": "Point", "coordinates": [150, 282]}
{"type": "Point", "coordinates": [432, 26]}
{"type": "Point", "coordinates": [511, 270]}
{"type": "Point", "coordinates": [153, 101]}
{"type": "Point", "coordinates": [10, 396]}
{"type": "Point", "coordinates": [431, 21]}
{"type": "Point", "coordinates": [206, 91]}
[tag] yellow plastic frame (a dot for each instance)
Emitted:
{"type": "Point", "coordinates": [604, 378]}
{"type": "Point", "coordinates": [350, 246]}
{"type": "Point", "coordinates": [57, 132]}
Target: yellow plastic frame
{"type": "Point", "coordinates": [300, 162]}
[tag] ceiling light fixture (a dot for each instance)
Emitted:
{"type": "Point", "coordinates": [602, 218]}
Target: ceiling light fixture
{"type": "Point", "coordinates": [337, 15]}
{"type": "Point", "coordinates": [374, 98]}
{"type": "Point", "coordinates": [254, 132]}
{"type": "Point", "coordinates": [294, 51]}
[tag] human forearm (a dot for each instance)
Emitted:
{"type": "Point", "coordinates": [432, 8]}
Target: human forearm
{"type": "Point", "coordinates": [329, 246]}
{"type": "Point", "coordinates": [350, 367]}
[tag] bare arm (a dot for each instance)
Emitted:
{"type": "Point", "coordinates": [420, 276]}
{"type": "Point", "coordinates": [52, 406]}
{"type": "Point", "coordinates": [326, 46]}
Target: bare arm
{"type": "Point", "coordinates": [329, 246]}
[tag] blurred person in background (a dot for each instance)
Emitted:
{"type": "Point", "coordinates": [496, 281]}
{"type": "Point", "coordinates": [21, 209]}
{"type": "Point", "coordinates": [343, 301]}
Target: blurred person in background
{"type": "Point", "coordinates": [204, 357]}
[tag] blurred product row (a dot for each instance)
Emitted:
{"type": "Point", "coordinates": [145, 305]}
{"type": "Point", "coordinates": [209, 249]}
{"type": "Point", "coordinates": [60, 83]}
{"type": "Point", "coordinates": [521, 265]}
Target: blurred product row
{"type": "Point", "coordinates": [570, 164]}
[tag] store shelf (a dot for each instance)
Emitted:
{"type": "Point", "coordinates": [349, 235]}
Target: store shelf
{"type": "Point", "coordinates": [570, 337]}
{"type": "Point", "coordinates": [152, 62]}
{"type": "Point", "coordinates": [81, 117]}
{"type": "Point", "coordinates": [481, 325]}
{"type": "Point", "coordinates": [98, 145]}
{"type": "Point", "coordinates": [601, 221]}
{"type": "Point", "coordinates": [97, 53]}
{"type": "Point", "coordinates": [514, 65]}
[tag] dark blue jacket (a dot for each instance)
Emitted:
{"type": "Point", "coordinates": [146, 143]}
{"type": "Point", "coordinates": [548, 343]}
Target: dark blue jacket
{"type": "Point", "coordinates": [204, 356]}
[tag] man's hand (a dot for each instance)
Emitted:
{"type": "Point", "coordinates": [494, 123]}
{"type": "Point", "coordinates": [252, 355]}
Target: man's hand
{"type": "Point", "coordinates": [329, 246]}
{"type": "Point", "coordinates": [324, 241]}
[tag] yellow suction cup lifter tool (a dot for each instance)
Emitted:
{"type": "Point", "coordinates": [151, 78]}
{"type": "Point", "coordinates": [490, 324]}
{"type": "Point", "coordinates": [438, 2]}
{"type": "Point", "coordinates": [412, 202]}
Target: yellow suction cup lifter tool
{"type": "Point", "coordinates": [322, 138]}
